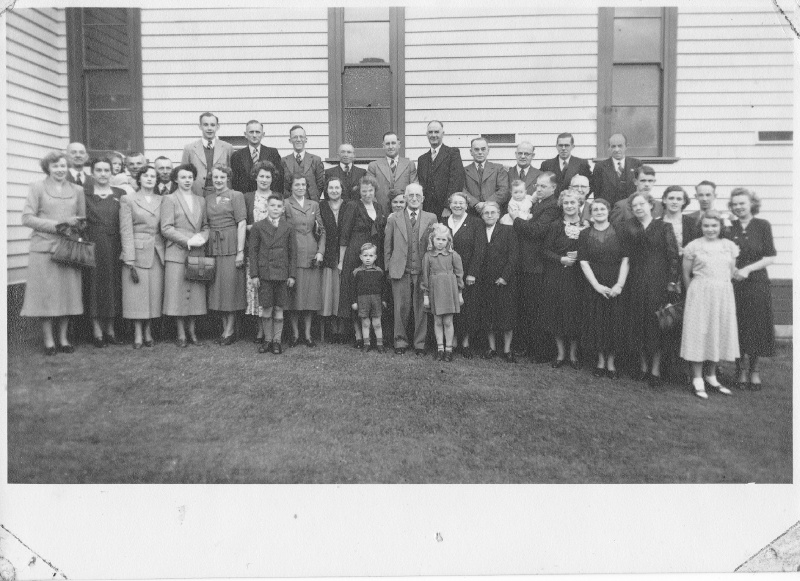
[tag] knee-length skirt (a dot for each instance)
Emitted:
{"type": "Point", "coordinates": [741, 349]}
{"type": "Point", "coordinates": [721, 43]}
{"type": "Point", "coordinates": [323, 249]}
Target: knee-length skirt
{"type": "Point", "coordinates": [306, 294]}
{"type": "Point", "coordinates": [330, 292]}
{"type": "Point", "coordinates": [52, 289]}
{"type": "Point", "coordinates": [143, 300]}
{"type": "Point", "coordinates": [182, 298]}
{"type": "Point", "coordinates": [228, 291]}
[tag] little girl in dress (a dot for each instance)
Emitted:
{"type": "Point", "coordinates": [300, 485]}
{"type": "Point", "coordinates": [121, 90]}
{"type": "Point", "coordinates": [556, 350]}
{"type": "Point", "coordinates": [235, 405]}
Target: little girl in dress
{"type": "Point", "coordinates": [520, 201]}
{"type": "Point", "coordinates": [442, 281]}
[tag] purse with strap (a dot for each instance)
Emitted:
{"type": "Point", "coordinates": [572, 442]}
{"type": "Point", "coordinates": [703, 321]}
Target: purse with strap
{"type": "Point", "coordinates": [199, 267]}
{"type": "Point", "coordinates": [71, 249]}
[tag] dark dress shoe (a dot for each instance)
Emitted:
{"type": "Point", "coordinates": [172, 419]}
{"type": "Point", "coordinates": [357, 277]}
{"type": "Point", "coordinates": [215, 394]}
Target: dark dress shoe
{"type": "Point", "coordinates": [258, 340]}
{"type": "Point", "coordinates": [640, 376]}
{"type": "Point", "coordinates": [440, 355]}
{"type": "Point", "coordinates": [399, 350]}
{"type": "Point", "coordinates": [294, 342]}
{"type": "Point", "coordinates": [490, 354]}
{"type": "Point", "coordinates": [50, 351]}
{"type": "Point", "coordinates": [754, 386]}
{"type": "Point", "coordinates": [655, 381]}
{"type": "Point", "coordinates": [509, 357]}
{"type": "Point", "coordinates": [181, 343]}
{"type": "Point", "coordinates": [98, 342]}
{"type": "Point", "coordinates": [137, 345]}
{"type": "Point", "coordinates": [149, 343]}
{"type": "Point", "coordinates": [276, 348]}
{"type": "Point", "coordinates": [575, 365]}
{"type": "Point", "coordinates": [112, 340]}
{"type": "Point", "coordinates": [264, 347]}
{"type": "Point", "coordinates": [380, 349]}
{"type": "Point", "coordinates": [599, 372]}
{"type": "Point", "coordinates": [310, 343]}
{"type": "Point", "coordinates": [466, 352]}
{"type": "Point", "coordinates": [229, 340]}
{"type": "Point", "coordinates": [419, 352]}
{"type": "Point", "coordinates": [448, 356]}
{"type": "Point", "coordinates": [557, 363]}
{"type": "Point", "coordinates": [359, 344]}
{"type": "Point", "coordinates": [612, 374]}
{"type": "Point", "coordinates": [195, 342]}
{"type": "Point", "coordinates": [66, 348]}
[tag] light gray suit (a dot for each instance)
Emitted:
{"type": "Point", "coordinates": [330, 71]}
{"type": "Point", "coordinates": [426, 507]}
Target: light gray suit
{"type": "Point", "coordinates": [195, 153]}
{"type": "Point", "coordinates": [405, 173]}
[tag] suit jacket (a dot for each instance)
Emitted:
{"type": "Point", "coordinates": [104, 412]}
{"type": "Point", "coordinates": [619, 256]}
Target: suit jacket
{"type": "Point", "coordinates": [45, 208]}
{"type": "Point", "coordinates": [305, 222]}
{"type": "Point", "coordinates": [242, 164]}
{"type": "Point", "coordinates": [351, 190]}
{"type": "Point", "coordinates": [691, 229]}
{"type": "Point", "coordinates": [179, 224]}
{"type": "Point", "coordinates": [576, 167]}
{"type": "Point", "coordinates": [312, 169]}
{"type": "Point", "coordinates": [620, 212]}
{"type": "Point", "coordinates": [332, 224]}
{"type": "Point", "coordinates": [531, 175]}
{"type": "Point", "coordinates": [140, 230]}
{"type": "Point", "coordinates": [531, 234]}
{"type": "Point", "coordinates": [470, 244]}
{"type": "Point", "coordinates": [273, 251]}
{"type": "Point", "coordinates": [493, 187]}
{"type": "Point", "coordinates": [405, 173]}
{"type": "Point", "coordinates": [195, 153]}
{"type": "Point", "coordinates": [171, 187]}
{"type": "Point", "coordinates": [440, 178]}
{"type": "Point", "coordinates": [395, 247]}
{"type": "Point", "coordinates": [88, 178]}
{"type": "Point", "coordinates": [501, 256]}
{"type": "Point", "coordinates": [605, 183]}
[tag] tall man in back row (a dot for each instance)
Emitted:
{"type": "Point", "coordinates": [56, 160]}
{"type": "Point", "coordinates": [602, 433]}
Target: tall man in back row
{"type": "Point", "coordinates": [242, 161]}
{"type": "Point", "coordinates": [392, 172]}
{"type": "Point", "coordinates": [205, 153]}
{"type": "Point", "coordinates": [565, 166]}
{"type": "Point", "coordinates": [485, 181]}
{"type": "Point", "coordinates": [614, 179]}
{"type": "Point", "coordinates": [439, 170]}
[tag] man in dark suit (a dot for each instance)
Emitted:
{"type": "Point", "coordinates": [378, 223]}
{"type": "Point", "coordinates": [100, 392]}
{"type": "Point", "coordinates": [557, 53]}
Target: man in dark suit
{"type": "Point", "coordinates": [392, 172]}
{"type": "Point", "coordinates": [440, 171]}
{"type": "Point", "coordinates": [644, 182]}
{"type": "Point", "coordinates": [347, 173]}
{"type": "Point", "coordinates": [533, 339]}
{"type": "Point", "coordinates": [484, 181]}
{"type": "Point", "coordinates": [165, 185]}
{"type": "Point", "coordinates": [565, 165]}
{"type": "Point", "coordinates": [243, 160]}
{"type": "Point", "coordinates": [76, 159]}
{"type": "Point", "coordinates": [205, 153]}
{"type": "Point", "coordinates": [613, 178]}
{"type": "Point", "coordinates": [304, 163]}
{"type": "Point", "coordinates": [523, 170]}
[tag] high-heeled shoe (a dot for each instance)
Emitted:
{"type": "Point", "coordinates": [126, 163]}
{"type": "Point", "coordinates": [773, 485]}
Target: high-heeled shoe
{"type": "Point", "coordinates": [112, 340]}
{"type": "Point", "coordinates": [717, 385]}
{"type": "Point", "coordinates": [229, 340]}
{"type": "Point", "coordinates": [557, 363]}
{"type": "Point", "coordinates": [575, 365]}
{"type": "Point", "coordinates": [66, 348]}
{"type": "Point", "coordinates": [98, 342]}
{"type": "Point", "coordinates": [599, 372]}
{"type": "Point", "coordinates": [50, 351]}
{"type": "Point", "coordinates": [612, 374]}
{"type": "Point", "coordinates": [699, 388]}
{"type": "Point", "coordinates": [149, 343]}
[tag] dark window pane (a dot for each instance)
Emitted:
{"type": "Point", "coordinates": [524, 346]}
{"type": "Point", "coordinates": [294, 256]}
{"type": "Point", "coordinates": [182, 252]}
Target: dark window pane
{"type": "Point", "coordinates": [108, 90]}
{"type": "Point", "coordinates": [105, 15]}
{"type": "Point", "coordinates": [367, 87]}
{"type": "Point", "coordinates": [365, 127]}
{"type": "Point", "coordinates": [366, 42]}
{"type": "Point", "coordinates": [636, 85]}
{"type": "Point", "coordinates": [634, 12]}
{"type": "Point", "coordinates": [640, 125]}
{"type": "Point", "coordinates": [105, 46]}
{"type": "Point", "coordinates": [366, 14]}
{"type": "Point", "coordinates": [637, 39]}
{"type": "Point", "coordinates": [109, 130]}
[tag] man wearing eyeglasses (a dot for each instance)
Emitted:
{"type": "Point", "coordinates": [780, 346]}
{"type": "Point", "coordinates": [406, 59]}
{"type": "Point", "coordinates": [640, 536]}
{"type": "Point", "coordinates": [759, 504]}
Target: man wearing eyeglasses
{"type": "Point", "coordinates": [304, 163]}
{"type": "Point", "coordinates": [565, 165]}
{"type": "Point", "coordinates": [580, 184]}
{"type": "Point", "coordinates": [523, 170]}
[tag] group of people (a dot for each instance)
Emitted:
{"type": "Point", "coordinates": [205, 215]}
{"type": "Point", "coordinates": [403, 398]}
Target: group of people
{"type": "Point", "coordinates": [557, 263]}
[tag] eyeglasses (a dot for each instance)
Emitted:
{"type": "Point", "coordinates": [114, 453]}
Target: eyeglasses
{"type": "Point", "coordinates": [414, 195]}
{"type": "Point", "coordinates": [524, 154]}
{"type": "Point", "coordinates": [297, 138]}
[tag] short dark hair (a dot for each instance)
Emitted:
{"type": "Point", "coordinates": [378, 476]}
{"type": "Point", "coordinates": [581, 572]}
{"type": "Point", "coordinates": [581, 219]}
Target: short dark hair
{"type": "Point", "coordinates": [602, 202]}
{"type": "Point", "coordinates": [183, 167]}
{"type": "Point", "coordinates": [368, 180]}
{"type": "Point", "coordinates": [209, 114]}
{"type": "Point", "coordinates": [254, 121]}
{"type": "Point", "coordinates": [134, 154]}
{"type": "Point", "coordinates": [160, 157]}
{"type": "Point", "coordinates": [263, 165]}
{"type": "Point", "coordinates": [390, 133]}
{"type": "Point", "coordinates": [646, 170]}
{"type": "Point", "coordinates": [145, 169]}
{"type": "Point", "coordinates": [275, 197]}
{"type": "Point", "coordinates": [297, 176]}
{"type": "Point", "coordinates": [394, 192]}
{"type": "Point", "coordinates": [51, 158]}
{"type": "Point", "coordinates": [95, 160]}
{"type": "Point", "coordinates": [223, 168]}
{"type": "Point", "coordinates": [707, 183]}
{"type": "Point", "coordinates": [564, 136]}
{"type": "Point", "coordinates": [550, 176]}
{"type": "Point", "coordinates": [479, 138]}
{"type": "Point", "coordinates": [296, 127]}
{"type": "Point", "coordinates": [671, 189]}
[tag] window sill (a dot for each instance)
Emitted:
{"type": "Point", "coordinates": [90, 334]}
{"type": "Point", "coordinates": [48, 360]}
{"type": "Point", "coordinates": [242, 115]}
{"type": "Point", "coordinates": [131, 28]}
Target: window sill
{"type": "Point", "coordinates": [648, 160]}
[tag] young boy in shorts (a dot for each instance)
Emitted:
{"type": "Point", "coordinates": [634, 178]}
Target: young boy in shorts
{"type": "Point", "coordinates": [273, 270]}
{"type": "Point", "coordinates": [368, 286]}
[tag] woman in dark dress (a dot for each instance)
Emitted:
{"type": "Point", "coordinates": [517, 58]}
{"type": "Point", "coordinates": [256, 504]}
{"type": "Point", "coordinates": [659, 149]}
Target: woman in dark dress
{"type": "Point", "coordinates": [104, 297]}
{"type": "Point", "coordinates": [495, 280]}
{"type": "Point", "coordinates": [469, 241]}
{"type": "Point", "coordinates": [751, 286]}
{"type": "Point", "coordinates": [362, 221]}
{"type": "Point", "coordinates": [604, 262]}
{"type": "Point", "coordinates": [330, 209]}
{"type": "Point", "coordinates": [563, 280]}
{"type": "Point", "coordinates": [653, 275]}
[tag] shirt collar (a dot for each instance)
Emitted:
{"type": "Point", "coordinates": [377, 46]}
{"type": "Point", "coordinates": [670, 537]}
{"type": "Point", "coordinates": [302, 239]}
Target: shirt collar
{"type": "Point", "coordinates": [302, 154]}
{"type": "Point", "coordinates": [344, 167]}
{"type": "Point", "coordinates": [389, 159]}
{"type": "Point", "coordinates": [256, 148]}
{"type": "Point", "coordinates": [563, 161]}
{"type": "Point", "coordinates": [436, 252]}
{"type": "Point", "coordinates": [213, 142]}
{"type": "Point", "coordinates": [436, 149]}
{"type": "Point", "coordinates": [409, 210]}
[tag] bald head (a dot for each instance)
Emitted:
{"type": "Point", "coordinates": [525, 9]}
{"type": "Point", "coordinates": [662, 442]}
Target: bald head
{"type": "Point", "coordinates": [76, 155]}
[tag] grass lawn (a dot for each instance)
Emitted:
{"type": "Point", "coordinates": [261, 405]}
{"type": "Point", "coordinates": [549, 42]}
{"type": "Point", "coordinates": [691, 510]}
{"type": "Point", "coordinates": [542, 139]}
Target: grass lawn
{"type": "Point", "coordinates": [226, 414]}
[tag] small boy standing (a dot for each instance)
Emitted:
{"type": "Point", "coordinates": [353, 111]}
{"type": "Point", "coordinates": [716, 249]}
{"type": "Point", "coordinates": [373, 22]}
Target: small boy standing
{"type": "Point", "coordinates": [273, 264]}
{"type": "Point", "coordinates": [368, 285]}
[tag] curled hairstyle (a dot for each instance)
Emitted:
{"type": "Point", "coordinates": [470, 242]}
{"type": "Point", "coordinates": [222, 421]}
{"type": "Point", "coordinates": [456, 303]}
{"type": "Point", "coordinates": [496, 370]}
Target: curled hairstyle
{"type": "Point", "coordinates": [223, 168]}
{"type": "Point", "coordinates": [602, 202]}
{"type": "Point", "coordinates": [460, 194]}
{"type": "Point", "coordinates": [566, 193]}
{"type": "Point", "coordinates": [671, 189]}
{"type": "Point", "coordinates": [440, 229]}
{"type": "Point", "coordinates": [712, 215]}
{"type": "Point", "coordinates": [368, 180]}
{"type": "Point", "coordinates": [488, 205]}
{"type": "Point", "coordinates": [330, 181]}
{"type": "Point", "coordinates": [368, 246]}
{"type": "Point", "coordinates": [183, 167]}
{"type": "Point", "coordinates": [297, 176]}
{"type": "Point", "coordinates": [755, 199]}
{"type": "Point", "coordinates": [145, 169]}
{"type": "Point", "coordinates": [51, 158]}
{"type": "Point", "coordinates": [263, 165]}
{"type": "Point", "coordinates": [94, 161]}
{"type": "Point", "coordinates": [647, 197]}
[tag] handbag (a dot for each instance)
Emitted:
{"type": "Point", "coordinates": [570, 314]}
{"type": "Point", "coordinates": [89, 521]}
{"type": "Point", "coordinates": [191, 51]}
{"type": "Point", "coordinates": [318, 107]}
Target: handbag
{"type": "Point", "coordinates": [199, 267]}
{"type": "Point", "coordinates": [71, 249]}
{"type": "Point", "coordinates": [670, 315]}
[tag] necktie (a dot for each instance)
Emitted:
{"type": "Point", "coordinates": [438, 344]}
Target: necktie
{"type": "Point", "coordinates": [210, 144]}
{"type": "Point", "coordinates": [619, 169]}
{"type": "Point", "coordinates": [480, 171]}
{"type": "Point", "coordinates": [433, 154]}
{"type": "Point", "coordinates": [255, 155]}
{"type": "Point", "coordinates": [299, 159]}
{"type": "Point", "coordinates": [161, 188]}
{"type": "Point", "coordinates": [413, 218]}
{"type": "Point", "coordinates": [79, 178]}
{"type": "Point", "coordinates": [393, 165]}
{"type": "Point", "coordinates": [563, 165]}
{"type": "Point", "coordinates": [522, 175]}
{"type": "Point", "coordinates": [347, 171]}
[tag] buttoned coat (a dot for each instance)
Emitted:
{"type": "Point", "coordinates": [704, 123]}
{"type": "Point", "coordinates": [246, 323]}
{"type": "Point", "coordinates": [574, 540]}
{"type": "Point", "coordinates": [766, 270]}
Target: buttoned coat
{"type": "Point", "coordinates": [304, 221]}
{"type": "Point", "coordinates": [531, 175]}
{"type": "Point", "coordinates": [492, 188]}
{"type": "Point", "coordinates": [405, 173]}
{"type": "Point", "coordinates": [312, 168]}
{"type": "Point", "coordinates": [395, 247]}
{"type": "Point", "coordinates": [140, 230]}
{"type": "Point", "coordinates": [606, 184]}
{"type": "Point", "coordinates": [45, 207]}
{"type": "Point", "coordinates": [273, 250]}
{"type": "Point", "coordinates": [577, 166]}
{"type": "Point", "coordinates": [351, 189]}
{"type": "Point", "coordinates": [440, 178]}
{"type": "Point", "coordinates": [179, 224]}
{"type": "Point", "coordinates": [531, 234]}
{"type": "Point", "coordinates": [195, 154]}
{"type": "Point", "coordinates": [242, 165]}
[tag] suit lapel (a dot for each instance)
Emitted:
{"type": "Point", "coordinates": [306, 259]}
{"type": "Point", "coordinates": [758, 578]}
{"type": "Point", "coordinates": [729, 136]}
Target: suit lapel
{"type": "Point", "coordinates": [439, 157]}
{"type": "Point", "coordinates": [383, 165]}
{"type": "Point", "coordinates": [487, 171]}
{"type": "Point", "coordinates": [218, 152]}
{"type": "Point", "coordinates": [472, 172]}
{"type": "Point", "coordinates": [403, 226]}
{"type": "Point", "coordinates": [200, 151]}
{"type": "Point", "coordinates": [192, 216]}
{"type": "Point", "coordinates": [142, 203]}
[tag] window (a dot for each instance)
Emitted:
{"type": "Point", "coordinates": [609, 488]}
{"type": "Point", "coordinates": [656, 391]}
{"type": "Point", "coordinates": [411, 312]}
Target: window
{"type": "Point", "coordinates": [636, 79]}
{"type": "Point", "coordinates": [366, 78]}
{"type": "Point", "coordinates": [105, 78]}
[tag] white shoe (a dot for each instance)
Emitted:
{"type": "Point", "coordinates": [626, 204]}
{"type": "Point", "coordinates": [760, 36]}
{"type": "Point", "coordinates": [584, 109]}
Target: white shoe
{"type": "Point", "coordinates": [699, 388]}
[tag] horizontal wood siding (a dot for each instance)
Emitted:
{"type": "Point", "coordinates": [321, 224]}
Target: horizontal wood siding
{"type": "Point", "coordinates": [268, 63]}
{"type": "Point", "coordinates": [36, 107]}
{"type": "Point", "coordinates": [530, 71]}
